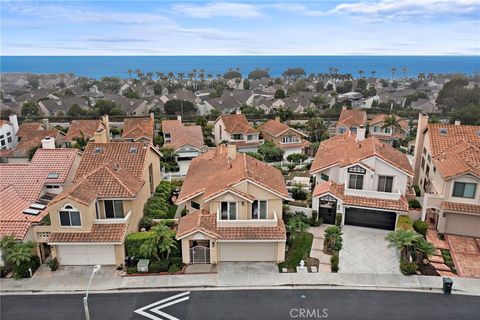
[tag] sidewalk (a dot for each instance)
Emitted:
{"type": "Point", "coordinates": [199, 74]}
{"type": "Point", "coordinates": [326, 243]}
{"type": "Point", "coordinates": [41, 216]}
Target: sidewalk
{"type": "Point", "coordinates": [241, 281]}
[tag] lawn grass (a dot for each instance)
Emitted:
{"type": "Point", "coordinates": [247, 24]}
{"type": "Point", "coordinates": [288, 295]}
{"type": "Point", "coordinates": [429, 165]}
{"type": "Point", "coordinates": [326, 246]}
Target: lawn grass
{"type": "Point", "coordinates": [404, 222]}
{"type": "Point", "coordinates": [299, 248]}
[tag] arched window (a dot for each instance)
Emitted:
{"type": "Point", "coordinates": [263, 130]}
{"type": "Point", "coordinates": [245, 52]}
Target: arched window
{"type": "Point", "coordinates": [69, 216]}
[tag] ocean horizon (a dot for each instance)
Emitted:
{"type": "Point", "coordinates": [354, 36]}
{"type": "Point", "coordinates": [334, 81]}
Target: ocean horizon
{"type": "Point", "coordinates": [117, 66]}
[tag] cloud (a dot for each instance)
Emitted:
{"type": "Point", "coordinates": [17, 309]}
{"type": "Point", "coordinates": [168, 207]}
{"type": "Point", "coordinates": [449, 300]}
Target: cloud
{"type": "Point", "coordinates": [219, 9]}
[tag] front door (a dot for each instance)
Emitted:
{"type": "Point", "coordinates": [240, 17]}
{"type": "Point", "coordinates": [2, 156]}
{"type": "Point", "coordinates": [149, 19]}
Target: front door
{"type": "Point", "coordinates": [200, 251]}
{"type": "Point", "coordinates": [327, 209]}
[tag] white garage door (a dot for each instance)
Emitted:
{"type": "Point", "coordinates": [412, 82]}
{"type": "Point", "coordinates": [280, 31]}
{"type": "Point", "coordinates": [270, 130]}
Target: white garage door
{"type": "Point", "coordinates": [86, 255]}
{"type": "Point", "coordinates": [247, 251]}
{"type": "Point", "coordinates": [462, 224]}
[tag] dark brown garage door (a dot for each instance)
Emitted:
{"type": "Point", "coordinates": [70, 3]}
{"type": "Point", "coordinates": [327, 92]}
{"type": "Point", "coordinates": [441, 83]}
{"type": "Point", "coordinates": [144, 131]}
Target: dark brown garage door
{"type": "Point", "coordinates": [370, 218]}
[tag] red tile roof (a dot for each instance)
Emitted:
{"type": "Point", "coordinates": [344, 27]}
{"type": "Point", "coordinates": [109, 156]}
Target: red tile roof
{"type": "Point", "coordinates": [17, 229]}
{"type": "Point", "coordinates": [461, 158]}
{"type": "Point", "coordinates": [139, 128]}
{"type": "Point", "coordinates": [182, 135]}
{"type": "Point", "coordinates": [206, 222]}
{"type": "Point", "coordinates": [453, 134]}
{"type": "Point", "coordinates": [461, 207]}
{"type": "Point", "coordinates": [352, 118]}
{"type": "Point", "coordinates": [103, 233]}
{"type": "Point", "coordinates": [276, 128]}
{"type": "Point", "coordinates": [77, 128]}
{"type": "Point", "coordinates": [344, 150]}
{"type": "Point", "coordinates": [380, 118]}
{"type": "Point", "coordinates": [237, 123]}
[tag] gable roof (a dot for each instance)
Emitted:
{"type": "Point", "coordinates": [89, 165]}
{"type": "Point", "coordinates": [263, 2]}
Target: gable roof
{"type": "Point", "coordinates": [236, 123]}
{"type": "Point", "coordinates": [352, 118]}
{"type": "Point", "coordinates": [344, 150]}
{"type": "Point", "coordinates": [451, 134]}
{"type": "Point", "coordinates": [104, 233]}
{"type": "Point", "coordinates": [77, 128]}
{"type": "Point", "coordinates": [182, 135]}
{"type": "Point", "coordinates": [138, 128]}
{"type": "Point", "coordinates": [276, 128]}
{"type": "Point", "coordinates": [213, 172]}
{"type": "Point", "coordinates": [380, 118]}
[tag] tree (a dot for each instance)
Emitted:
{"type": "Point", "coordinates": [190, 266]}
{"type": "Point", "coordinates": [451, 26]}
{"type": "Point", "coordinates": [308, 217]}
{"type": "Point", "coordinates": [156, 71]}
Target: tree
{"type": "Point", "coordinates": [169, 159]}
{"type": "Point", "coordinates": [300, 85]}
{"type": "Point", "coordinates": [391, 122]}
{"type": "Point", "coordinates": [297, 157]}
{"type": "Point", "coordinates": [7, 243]}
{"type": "Point", "coordinates": [20, 253]}
{"type": "Point", "coordinates": [80, 142]}
{"type": "Point", "coordinates": [404, 70]}
{"type": "Point", "coordinates": [361, 85]}
{"type": "Point", "coordinates": [403, 240]}
{"type": "Point", "coordinates": [161, 242]}
{"type": "Point", "coordinates": [157, 88]}
{"type": "Point", "coordinates": [319, 87]}
{"type": "Point", "coordinates": [246, 84]}
{"type": "Point", "coordinates": [345, 87]}
{"type": "Point", "coordinates": [75, 111]}
{"type": "Point", "coordinates": [258, 74]}
{"type": "Point", "coordinates": [361, 72]}
{"type": "Point", "coordinates": [179, 107]}
{"type": "Point", "coordinates": [255, 155]}
{"type": "Point", "coordinates": [30, 109]}
{"type": "Point", "coordinates": [295, 225]}
{"type": "Point", "coordinates": [33, 80]}
{"type": "Point", "coordinates": [280, 94]}
{"type": "Point", "coordinates": [333, 238]}
{"type": "Point", "coordinates": [455, 95]}
{"type": "Point", "coordinates": [467, 115]}
{"type": "Point", "coordinates": [284, 113]}
{"type": "Point", "coordinates": [393, 72]}
{"type": "Point", "coordinates": [107, 107]}
{"type": "Point", "coordinates": [129, 71]}
{"type": "Point", "coordinates": [317, 129]}
{"type": "Point", "coordinates": [319, 101]}
{"type": "Point", "coordinates": [131, 94]}
{"type": "Point", "coordinates": [294, 73]}
{"type": "Point", "coordinates": [422, 249]}
{"type": "Point", "coordinates": [232, 75]}
{"type": "Point", "coordinates": [270, 152]}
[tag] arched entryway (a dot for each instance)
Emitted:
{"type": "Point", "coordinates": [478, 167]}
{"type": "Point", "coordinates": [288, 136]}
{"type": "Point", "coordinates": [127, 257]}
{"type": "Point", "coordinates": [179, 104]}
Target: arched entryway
{"type": "Point", "coordinates": [327, 209]}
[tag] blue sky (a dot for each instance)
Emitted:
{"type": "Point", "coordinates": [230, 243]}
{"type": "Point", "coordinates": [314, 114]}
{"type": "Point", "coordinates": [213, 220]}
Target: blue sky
{"type": "Point", "coordinates": [314, 27]}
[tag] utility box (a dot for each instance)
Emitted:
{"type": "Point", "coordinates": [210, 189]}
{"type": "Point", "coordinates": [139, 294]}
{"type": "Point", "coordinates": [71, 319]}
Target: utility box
{"type": "Point", "coordinates": [447, 285]}
{"type": "Point", "coordinates": [142, 265]}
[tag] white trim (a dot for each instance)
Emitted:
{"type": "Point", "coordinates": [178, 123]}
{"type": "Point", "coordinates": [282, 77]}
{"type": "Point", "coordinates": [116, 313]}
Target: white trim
{"type": "Point", "coordinates": [251, 240]}
{"type": "Point", "coordinates": [323, 168]}
{"type": "Point", "coordinates": [191, 197]}
{"type": "Point", "coordinates": [226, 191]}
{"type": "Point", "coordinates": [263, 187]}
{"type": "Point", "coordinates": [83, 243]}
{"type": "Point", "coordinates": [195, 231]}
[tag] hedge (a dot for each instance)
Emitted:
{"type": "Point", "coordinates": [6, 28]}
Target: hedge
{"type": "Point", "coordinates": [158, 206]}
{"type": "Point", "coordinates": [134, 241]}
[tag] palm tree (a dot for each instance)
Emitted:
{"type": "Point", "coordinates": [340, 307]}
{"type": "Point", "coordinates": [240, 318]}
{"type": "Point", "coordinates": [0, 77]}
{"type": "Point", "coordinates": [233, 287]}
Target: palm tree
{"type": "Point", "coordinates": [373, 72]}
{"type": "Point", "coordinates": [160, 233]}
{"type": "Point", "coordinates": [20, 252]}
{"type": "Point", "coordinates": [129, 71]}
{"type": "Point", "coordinates": [138, 72]}
{"type": "Point", "coordinates": [393, 72]}
{"type": "Point", "coordinates": [333, 234]}
{"type": "Point", "coordinates": [421, 76]}
{"type": "Point", "coordinates": [149, 75]}
{"type": "Point", "coordinates": [219, 75]}
{"type": "Point", "coordinates": [361, 72]}
{"type": "Point", "coordinates": [403, 240]}
{"type": "Point", "coordinates": [431, 76]}
{"type": "Point", "coordinates": [80, 142]}
{"type": "Point", "coordinates": [404, 70]}
{"type": "Point", "coordinates": [391, 122]}
{"type": "Point", "coordinates": [170, 76]}
{"type": "Point", "coordinates": [6, 244]}
{"type": "Point", "coordinates": [167, 244]}
{"type": "Point", "coordinates": [423, 249]}
{"type": "Point", "coordinates": [181, 75]}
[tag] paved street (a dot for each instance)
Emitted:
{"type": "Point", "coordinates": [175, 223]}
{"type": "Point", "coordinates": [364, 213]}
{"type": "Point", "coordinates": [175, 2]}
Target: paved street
{"type": "Point", "coordinates": [246, 304]}
{"type": "Point", "coordinates": [365, 250]}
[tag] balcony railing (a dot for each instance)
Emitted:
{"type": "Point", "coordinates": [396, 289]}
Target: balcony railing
{"type": "Point", "coordinates": [114, 220]}
{"type": "Point", "coordinates": [394, 195]}
{"type": "Point", "coordinates": [248, 222]}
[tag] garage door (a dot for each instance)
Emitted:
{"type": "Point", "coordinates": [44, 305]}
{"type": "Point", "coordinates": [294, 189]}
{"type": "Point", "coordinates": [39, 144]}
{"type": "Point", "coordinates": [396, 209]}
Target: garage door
{"type": "Point", "coordinates": [462, 224]}
{"type": "Point", "coordinates": [247, 251]}
{"type": "Point", "coordinates": [86, 255]}
{"type": "Point", "coordinates": [370, 218]}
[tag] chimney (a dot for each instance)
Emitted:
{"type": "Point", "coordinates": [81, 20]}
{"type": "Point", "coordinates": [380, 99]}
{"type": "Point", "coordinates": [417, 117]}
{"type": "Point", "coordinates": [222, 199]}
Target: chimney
{"type": "Point", "coordinates": [179, 118]}
{"type": "Point", "coordinates": [14, 121]}
{"type": "Point", "coordinates": [46, 124]}
{"type": "Point", "coordinates": [344, 108]}
{"type": "Point", "coordinates": [232, 151]}
{"type": "Point", "coordinates": [419, 141]}
{"type": "Point", "coordinates": [360, 133]}
{"type": "Point", "coordinates": [100, 136]}
{"type": "Point", "coordinates": [458, 122]}
{"type": "Point", "coordinates": [48, 143]}
{"type": "Point", "coordinates": [238, 111]}
{"type": "Point", "coordinates": [277, 119]}
{"type": "Point", "coordinates": [106, 123]}
{"type": "Point", "coordinates": [152, 115]}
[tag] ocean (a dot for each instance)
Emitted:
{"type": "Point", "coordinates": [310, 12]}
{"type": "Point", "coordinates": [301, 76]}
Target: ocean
{"type": "Point", "coordinates": [101, 66]}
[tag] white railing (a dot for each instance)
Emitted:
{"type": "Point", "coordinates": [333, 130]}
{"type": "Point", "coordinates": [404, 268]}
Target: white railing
{"type": "Point", "coordinates": [248, 222]}
{"type": "Point", "coordinates": [394, 195]}
{"type": "Point", "coordinates": [114, 220]}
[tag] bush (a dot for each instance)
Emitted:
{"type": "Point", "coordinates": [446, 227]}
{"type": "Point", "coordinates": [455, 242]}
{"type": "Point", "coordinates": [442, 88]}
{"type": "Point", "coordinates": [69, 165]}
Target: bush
{"type": "Point", "coordinates": [22, 271]}
{"type": "Point", "coordinates": [447, 258]}
{"type": "Point", "coordinates": [145, 222]}
{"type": "Point", "coordinates": [318, 223]}
{"type": "Point", "coordinates": [408, 268]}
{"type": "Point", "coordinates": [134, 241]}
{"type": "Point", "coordinates": [270, 152]}
{"type": "Point", "coordinates": [404, 222]}
{"type": "Point", "coordinates": [414, 204]}
{"type": "Point", "coordinates": [168, 222]}
{"type": "Point", "coordinates": [176, 261]}
{"type": "Point", "coordinates": [158, 206]}
{"type": "Point", "coordinates": [420, 226]}
{"type": "Point", "coordinates": [297, 157]}
{"type": "Point", "coordinates": [173, 269]}
{"type": "Point", "coordinates": [291, 167]}
{"type": "Point", "coordinates": [314, 217]}
{"type": "Point", "coordinates": [255, 155]}
{"type": "Point", "coordinates": [298, 193]}
{"type": "Point", "coordinates": [338, 219]}
{"type": "Point", "coordinates": [417, 190]}
{"type": "Point", "coordinates": [53, 264]}
{"type": "Point", "coordinates": [154, 267]}
{"type": "Point", "coordinates": [131, 270]}
{"type": "Point", "coordinates": [334, 261]}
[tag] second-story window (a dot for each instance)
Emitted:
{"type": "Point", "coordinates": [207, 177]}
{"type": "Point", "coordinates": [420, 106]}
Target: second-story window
{"type": "Point", "coordinates": [342, 130]}
{"type": "Point", "coordinates": [114, 209]}
{"type": "Point", "coordinates": [195, 205]}
{"type": "Point", "coordinates": [69, 217]}
{"type": "Point", "coordinates": [237, 136]}
{"type": "Point", "coordinates": [228, 210]}
{"type": "Point", "coordinates": [259, 209]}
{"type": "Point", "coordinates": [464, 190]}
{"type": "Point", "coordinates": [355, 181]}
{"type": "Point", "coordinates": [290, 139]}
{"type": "Point", "coordinates": [385, 183]}
{"type": "Point", "coordinates": [251, 137]}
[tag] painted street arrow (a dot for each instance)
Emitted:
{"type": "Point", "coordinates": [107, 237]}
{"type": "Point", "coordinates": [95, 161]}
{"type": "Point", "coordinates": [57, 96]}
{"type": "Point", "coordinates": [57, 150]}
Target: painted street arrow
{"type": "Point", "coordinates": [154, 309]}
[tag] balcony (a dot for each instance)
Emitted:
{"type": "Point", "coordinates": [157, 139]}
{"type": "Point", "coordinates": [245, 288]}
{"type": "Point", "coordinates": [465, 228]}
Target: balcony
{"type": "Point", "coordinates": [394, 195]}
{"type": "Point", "coordinates": [115, 220]}
{"type": "Point", "coordinates": [248, 222]}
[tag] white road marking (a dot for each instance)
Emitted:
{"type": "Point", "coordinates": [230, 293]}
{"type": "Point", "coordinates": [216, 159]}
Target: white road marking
{"type": "Point", "coordinates": [156, 306]}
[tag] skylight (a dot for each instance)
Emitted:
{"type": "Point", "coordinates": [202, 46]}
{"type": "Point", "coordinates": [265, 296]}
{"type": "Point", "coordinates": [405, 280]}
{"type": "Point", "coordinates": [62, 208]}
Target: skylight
{"type": "Point", "coordinates": [443, 130]}
{"type": "Point", "coordinates": [53, 175]}
{"type": "Point", "coordinates": [97, 150]}
{"type": "Point", "coordinates": [133, 150]}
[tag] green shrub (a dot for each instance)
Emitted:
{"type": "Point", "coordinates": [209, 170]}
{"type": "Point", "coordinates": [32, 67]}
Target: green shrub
{"type": "Point", "coordinates": [255, 155]}
{"type": "Point", "coordinates": [131, 270]}
{"type": "Point", "coordinates": [314, 218]}
{"type": "Point", "coordinates": [134, 241]}
{"type": "Point", "coordinates": [298, 193]}
{"type": "Point", "coordinates": [297, 157]}
{"type": "Point", "coordinates": [173, 269]}
{"type": "Point", "coordinates": [53, 264]}
{"type": "Point", "coordinates": [408, 268]}
{"type": "Point", "coordinates": [447, 258]}
{"type": "Point", "coordinates": [318, 223]}
{"type": "Point", "coordinates": [183, 213]}
{"type": "Point", "coordinates": [168, 222]}
{"type": "Point", "coordinates": [145, 222]}
{"type": "Point", "coordinates": [416, 189]}
{"type": "Point", "coordinates": [414, 204]}
{"type": "Point", "coordinates": [404, 222]}
{"type": "Point", "coordinates": [421, 227]}
{"type": "Point", "coordinates": [291, 167]}
{"type": "Point", "coordinates": [22, 271]}
{"type": "Point", "coordinates": [338, 219]}
{"type": "Point", "coordinates": [334, 261]}
{"type": "Point", "coordinates": [270, 152]}
{"type": "Point", "coordinates": [338, 244]}
{"type": "Point", "coordinates": [154, 267]}
{"type": "Point", "coordinates": [177, 261]}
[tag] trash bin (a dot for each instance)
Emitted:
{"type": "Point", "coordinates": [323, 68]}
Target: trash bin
{"type": "Point", "coordinates": [447, 285]}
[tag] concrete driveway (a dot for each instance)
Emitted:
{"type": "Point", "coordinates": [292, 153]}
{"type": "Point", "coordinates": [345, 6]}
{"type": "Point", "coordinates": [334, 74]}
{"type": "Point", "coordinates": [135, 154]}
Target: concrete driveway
{"type": "Point", "coordinates": [365, 250]}
{"type": "Point", "coordinates": [247, 267]}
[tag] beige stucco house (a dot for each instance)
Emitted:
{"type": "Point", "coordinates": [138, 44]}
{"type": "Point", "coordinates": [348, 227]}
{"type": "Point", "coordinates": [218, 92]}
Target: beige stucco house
{"type": "Point", "coordinates": [234, 209]}
{"type": "Point", "coordinates": [350, 120]}
{"type": "Point", "coordinates": [89, 220]}
{"type": "Point", "coordinates": [447, 170]}
{"type": "Point", "coordinates": [235, 129]}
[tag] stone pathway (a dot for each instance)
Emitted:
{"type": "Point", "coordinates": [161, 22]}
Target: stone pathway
{"type": "Point", "coordinates": [465, 253]}
{"type": "Point", "coordinates": [317, 248]}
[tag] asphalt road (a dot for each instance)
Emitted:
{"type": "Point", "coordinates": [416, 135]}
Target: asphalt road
{"type": "Point", "coordinates": [244, 304]}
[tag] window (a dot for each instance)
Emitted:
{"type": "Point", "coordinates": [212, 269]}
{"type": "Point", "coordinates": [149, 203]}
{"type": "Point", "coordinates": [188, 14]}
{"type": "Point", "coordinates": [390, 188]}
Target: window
{"type": "Point", "coordinates": [133, 150]}
{"type": "Point", "coordinates": [424, 151]}
{"type": "Point", "coordinates": [113, 209]}
{"type": "Point", "coordinates": [69, 217]}
{"type": "Point", "coordinates": [53, 175]}
{"type": "Point", "coordinates": [324, 177]}
{"type": "Point", "coordinates": [353, 129]}
{"type": "Point", "coordinates": [150, 178]}
{"type": "Point", "coordinates": [1, 136]}
{"type": "Point", "coordinates": [195, 205]}
{"type": "Point", "coordinates": [51, 186]}
{"type": "Point", "coordinates": [2, 142]}
{"type": "Point", "coordinates": [385, 183]}
{"type": "Point", "coordinates": [9, 139]}
{"type": "Point", "coordinates": [355, 181]}
{"type": "Point", "coordinates": [387, 130]}
{"type": "Point", "coordinates": [259, 209]}
{"type": "Point", "coordinates": [220, 135]}
{"type": "Point", "coordinates": [290, 139]}
{"type": "Point", "coordinates": [167, 136]}
{"type": "Point", "coordinates": [423, 163]}
{"type": "Point", "coordinates": [237, 136]}
{"type": "Point", "coordinates": [464, 190]}
{"type": "Point", "coordinates": [228, 210]}
{"type": "Point", "coordinates": [9, 134]}
{"type": "Point", "coordinates": [357, 169]}
{"type": "Point", "coordinates": [250, 137]}
{"type": "Point", "coordinates": [342, 130]}
{"type": "Point", "coordinates": [376, 129]}
{"type": "Point", "coordinates": [427, 171]}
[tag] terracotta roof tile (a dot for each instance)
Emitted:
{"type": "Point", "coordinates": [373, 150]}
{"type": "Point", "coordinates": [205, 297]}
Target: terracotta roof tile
{"type": "Point", "coordinates": [103, 233]}
{"type": "Point", "coordinates": [139, 128]}
{"type": "Point", "coordinates": [452, 134]}
{"type": "Point", "coordinates": [182, 135]}
{"type": "Point", "coordinates": [85, 127]}
{"type": "Point", "coordinates": [461, 158]}
{"type": "Point", "coordinates": [237, 123]}
{"type": "Point", "coordinates": [461, 207]}
{"type": "Point", "coordinates": [276, 128]}
{"type": "Point", "coordinates": [17, 229]}
{"type": "Point", "coordinates": [352, 118]}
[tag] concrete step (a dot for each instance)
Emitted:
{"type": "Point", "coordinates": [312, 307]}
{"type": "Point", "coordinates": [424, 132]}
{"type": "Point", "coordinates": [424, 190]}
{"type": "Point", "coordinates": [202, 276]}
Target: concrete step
{"type": "Point", "coordinates": [437, 259]}
{"type": "Point", "coordinates": [447, 274]}
{"type": "Point", "coordinates": [440, 266]}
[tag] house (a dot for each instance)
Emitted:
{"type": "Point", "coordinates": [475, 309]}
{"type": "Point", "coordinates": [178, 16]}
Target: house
{"type": "Point", "coordinates": [187, 141]}
{"type": "Point", "coordinates": [90, 219]}
{"type": "Point", "coordinates": [363, 179]}
{"type": "Point", "coordinates": [234, 209]}
{"type": "Point", "coordinates": [286, 138]}
{"type": "Point", "coordinates": [388, 134]}
{"type": "Point", "coordinates": [447, 170]}
{"type": "Point", "coordinates": [55, 107]}
{"type": "Point", "coordinates": [26, 189]}
{"type": "Point", "coordinates": [8, 133]}
{"type": "Point", "coordinates": [139, 129]}
{"type": "Point", "coordinates": [424, 105]}
{"type": "Point", "coordinates": [350, 120]}
{"type": "Point", "coordinates": [87, 129]}
{"type": "Point", "coordinates": [366, 103]}
{"type": "Point", "coordinates": [131, 107]}
{"type": "Point", "coordinates": [234, 128]}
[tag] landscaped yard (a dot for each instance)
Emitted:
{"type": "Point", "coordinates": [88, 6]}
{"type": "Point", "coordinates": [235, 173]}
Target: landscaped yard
{"type": "Point", "coordinates": [159, 205]}
{"type": "Point", "coordinates": [298, 250]}
{"type": "Point", "coordinates": [404, 222]}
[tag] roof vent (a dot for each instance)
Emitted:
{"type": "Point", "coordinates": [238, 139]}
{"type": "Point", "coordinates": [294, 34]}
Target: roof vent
{"type": "Point", "coordinates": [133, 150]}
{"type": "Point", "coordinates": [53, 175]}
{"type": "Point", "coordinates": [97, 150]}
{"type": "Point", "coordinates": [443, 131]}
